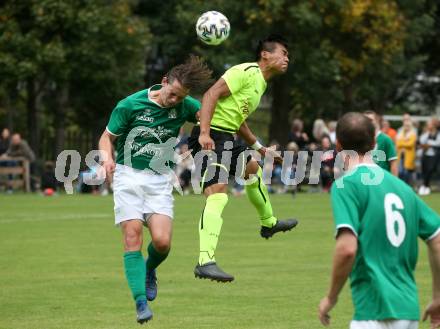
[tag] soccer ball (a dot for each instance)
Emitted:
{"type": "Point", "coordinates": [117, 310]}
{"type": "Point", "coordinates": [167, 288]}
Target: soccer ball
{"type": "Point", "coordinates": [212, 28]}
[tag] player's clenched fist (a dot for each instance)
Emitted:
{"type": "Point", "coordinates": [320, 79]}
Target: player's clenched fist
{"type": "Point", "coordinates": [206, 142]}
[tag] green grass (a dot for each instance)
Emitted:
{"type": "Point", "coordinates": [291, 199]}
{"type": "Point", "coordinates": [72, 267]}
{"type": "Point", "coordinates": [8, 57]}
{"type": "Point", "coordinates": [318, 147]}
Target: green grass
{"type": "Point", "coordinates": [61, 267]}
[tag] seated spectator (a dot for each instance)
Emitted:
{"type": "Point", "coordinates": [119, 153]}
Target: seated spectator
{"type": "Point", "coordinates": [297, 135]}
{"type": "Point", "coordinates": [386, 129]}
{"type": "Point", "coordinates": [20, 148]}
{"type": "Point", "coordinates": [430, 143]}
{"type": "Point", "coordinates": [5, 139]}
{"type": "Point", "coordinates": [406, 141]}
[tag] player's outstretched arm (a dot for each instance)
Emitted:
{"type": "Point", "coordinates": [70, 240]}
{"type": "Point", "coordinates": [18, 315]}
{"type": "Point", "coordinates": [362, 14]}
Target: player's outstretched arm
{"type": "Point", "coordinates": [343, 260]}
{"type": "Point", "coordinates": [249, 137]}
{"type": "Point", "coordinates": [106, 149]}
{"type": "Point", "coordinates": [219, 90]}
{"type": "Point", "coordinates": [433, 309]}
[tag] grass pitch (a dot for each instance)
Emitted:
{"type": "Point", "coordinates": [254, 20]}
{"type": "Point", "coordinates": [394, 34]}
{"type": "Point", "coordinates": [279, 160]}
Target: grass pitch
{"type": "Point", "coordinates": [61, 267]}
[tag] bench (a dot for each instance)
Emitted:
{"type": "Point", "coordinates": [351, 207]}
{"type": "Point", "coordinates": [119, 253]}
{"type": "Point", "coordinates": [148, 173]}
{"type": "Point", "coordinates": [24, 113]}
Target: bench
{"type": "Point", "coordinates": [19, 168]}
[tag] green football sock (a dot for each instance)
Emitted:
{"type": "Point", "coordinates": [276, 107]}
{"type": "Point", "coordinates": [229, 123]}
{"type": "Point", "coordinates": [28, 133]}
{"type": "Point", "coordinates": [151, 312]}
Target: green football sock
{"type": "Point", "coordinates": [210, 225]}
{"type": "Point", "coordinates": [135, 273]}
{"type": "Point", "coordinates": [259, 197]}
{"type": "Point", "coordinates": [154, 257]}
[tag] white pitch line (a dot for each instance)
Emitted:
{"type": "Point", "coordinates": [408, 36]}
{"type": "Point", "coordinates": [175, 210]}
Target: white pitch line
{"type": "Point", "coordinates": [42, 218]}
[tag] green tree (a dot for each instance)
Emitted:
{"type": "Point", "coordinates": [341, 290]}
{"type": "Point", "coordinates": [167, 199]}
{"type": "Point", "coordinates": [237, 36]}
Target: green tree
{"type": "Point", "coordinates": [71, 59]}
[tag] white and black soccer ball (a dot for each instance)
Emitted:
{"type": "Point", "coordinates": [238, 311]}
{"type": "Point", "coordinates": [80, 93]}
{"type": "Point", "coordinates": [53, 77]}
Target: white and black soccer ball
{"type": "Point", "coordinates": [213, 28]}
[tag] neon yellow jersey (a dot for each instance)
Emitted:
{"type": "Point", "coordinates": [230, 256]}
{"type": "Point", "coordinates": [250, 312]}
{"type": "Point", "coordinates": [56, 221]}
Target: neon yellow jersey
{"type": "Point", "coordinates": [247, 85]}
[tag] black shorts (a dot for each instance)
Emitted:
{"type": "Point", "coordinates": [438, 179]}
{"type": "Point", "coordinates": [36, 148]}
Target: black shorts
{"type": "Point", "coordinates": [229, 157]}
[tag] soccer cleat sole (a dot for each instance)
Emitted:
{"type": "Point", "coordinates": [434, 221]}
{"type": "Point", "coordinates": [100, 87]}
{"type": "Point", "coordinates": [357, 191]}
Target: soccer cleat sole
{"type": "Point", "coordinates": [267, 236]}
{"type": "Point", "coordinates": [144, 320]}
{"type": "Point", "coordinates": [213, 279]}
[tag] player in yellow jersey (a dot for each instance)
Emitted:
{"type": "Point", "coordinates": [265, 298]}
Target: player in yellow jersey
{"type": "Point", "coordinates": [225, 108]}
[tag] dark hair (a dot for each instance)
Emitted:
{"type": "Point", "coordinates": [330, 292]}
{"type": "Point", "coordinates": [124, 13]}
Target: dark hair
{"type": "Point", "coordinates": [355, 132]}
{"type": "Point", "coordinates": [194, 74]}
{"type": "Point", "coordinates": [269, 44]}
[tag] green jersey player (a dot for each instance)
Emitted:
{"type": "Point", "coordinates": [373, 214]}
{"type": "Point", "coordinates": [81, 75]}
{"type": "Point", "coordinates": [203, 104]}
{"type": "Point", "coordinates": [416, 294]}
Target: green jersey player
{"type": "Point", "coordinates": [378, 219]}
{"type": "Point", "coordinates": [225, 108]}
{"type": "Point", "coordinates": [144, 126]}
{"type": "Point", "coordinates": [384, 144]}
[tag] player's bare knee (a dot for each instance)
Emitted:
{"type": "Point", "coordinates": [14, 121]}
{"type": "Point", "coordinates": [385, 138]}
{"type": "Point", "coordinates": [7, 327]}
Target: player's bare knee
{"type": "Point", "coordinates": [132, 238]}
{"type": "Point", "coordinates": [251, 168]}
{"type": "Point", "coordinates": [162, 243]}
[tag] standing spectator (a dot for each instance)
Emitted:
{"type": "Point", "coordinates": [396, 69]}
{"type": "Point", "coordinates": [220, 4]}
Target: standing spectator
{"type": "Point", "coordinates": [332, 131]}
{"type": "Point", "coordinates": [406, 141]}
{"type": "Point", "coordinates": [430, 143]}
{"type": "Point", "coordinates": [319, 130]}
{"type": "Point", "coordinates": [4, 140]}
{"type": "Point", "coordinates": [182, 138]}
{"type": "Point", "coordinates": [48, 180]}
{"type": "Point", "coordinates": [383, 144]}
{"type": "Point", "coordinates": [387, 129]}
{"type": "Point", "coordinates": [297, 134]}
{"type": "Point", "coordinates": [327, 163]}
{"type": "Point", "coordinates": [184, 169]}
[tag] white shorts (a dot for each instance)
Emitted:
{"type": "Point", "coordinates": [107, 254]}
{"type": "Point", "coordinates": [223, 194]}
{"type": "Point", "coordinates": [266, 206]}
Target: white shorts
{"type": "Point", "coordinates": [138, 194]}
{"type": "Point", "coordinates": [391, 324]}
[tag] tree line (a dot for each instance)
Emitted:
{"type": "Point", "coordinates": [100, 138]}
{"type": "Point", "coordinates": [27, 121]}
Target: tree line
{"type": "Point", "coordinates": [64, 64]}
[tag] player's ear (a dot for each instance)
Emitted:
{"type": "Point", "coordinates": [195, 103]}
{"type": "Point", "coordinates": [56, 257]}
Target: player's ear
{"type": "Point", "coordinates": [164, 81]}
{"type": "Point", "coordinates": [338, 146]}
{"type": "Point", "coordinates": [264, 54]}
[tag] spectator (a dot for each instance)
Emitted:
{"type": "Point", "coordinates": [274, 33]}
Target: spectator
{"type": "Point", "coordinates": [332, 131]}
{"type": "Point", "coordinates": [297, 134]}
{"type": "Point", "coordinates": [48, 180]}
{"type": "Point", "coordinates": [430, 143]}
{"type": "Point", "coordinates": [182, 138]}
{"type": "Point", "coordinates": [386, 129]}
{"type": "Point", "coordinates": [184, 170]}
{"type": "Point", "coordinates": [5, 139]}
{"type": "Point", "coordinates": [406, 141]}
{"type": "Point", "coordinates": [20, 148]}
{"type": "Point", "coordinates": [290, 172]}
{"type": "Point", "coordinates": [327, 163]}
{"type": "Point", "coordinates": [319, 130]}
{"type": "Point", "coordinates": [405, 117]}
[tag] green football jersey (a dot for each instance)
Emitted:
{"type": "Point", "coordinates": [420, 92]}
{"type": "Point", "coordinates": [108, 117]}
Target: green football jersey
{"type": "Point", "coordinates": [246, 84]}
{"type": "Point", "coordinates": [384, 143]}
{"type": "Point", "coordinates": [143, 127]}
{"type": "Point", "coordinates": [387, 218]}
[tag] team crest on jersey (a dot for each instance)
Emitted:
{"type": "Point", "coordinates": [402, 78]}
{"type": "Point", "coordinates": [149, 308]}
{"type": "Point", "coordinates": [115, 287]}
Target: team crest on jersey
{"type": "Point", "coordinates": [172, 114]}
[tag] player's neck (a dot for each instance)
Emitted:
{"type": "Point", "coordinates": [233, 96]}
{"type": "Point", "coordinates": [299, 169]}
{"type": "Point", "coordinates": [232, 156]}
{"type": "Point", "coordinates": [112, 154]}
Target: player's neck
{"type": "Point", "coordinates": [357, 161]}
{"type": "Point", "coordinates": [154, 95]}
{"type": "Point", "coordinates": [266, 71]}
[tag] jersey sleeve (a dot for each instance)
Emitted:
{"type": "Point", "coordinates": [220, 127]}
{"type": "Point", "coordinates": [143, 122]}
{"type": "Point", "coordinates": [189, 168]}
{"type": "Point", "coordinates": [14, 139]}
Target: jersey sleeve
{"type": "Point", "coordinates": [345, 208]}
{"type": "Point", "coordinates": [391, 150]}
{"type": "Point", "coordinates": [429, 221]}
{"type": "Point", "coordinates": [192, 106]}
{"type": "Point", "coordinates": [119, 119]}
{"type": "Point", "coordinates": [235, 78]}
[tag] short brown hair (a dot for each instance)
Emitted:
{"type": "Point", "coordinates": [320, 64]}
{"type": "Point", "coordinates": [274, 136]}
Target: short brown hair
{"type": "Point", "coordinates": [355, 132]}
{"type": "Point", "coordinates": [194, 74]}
